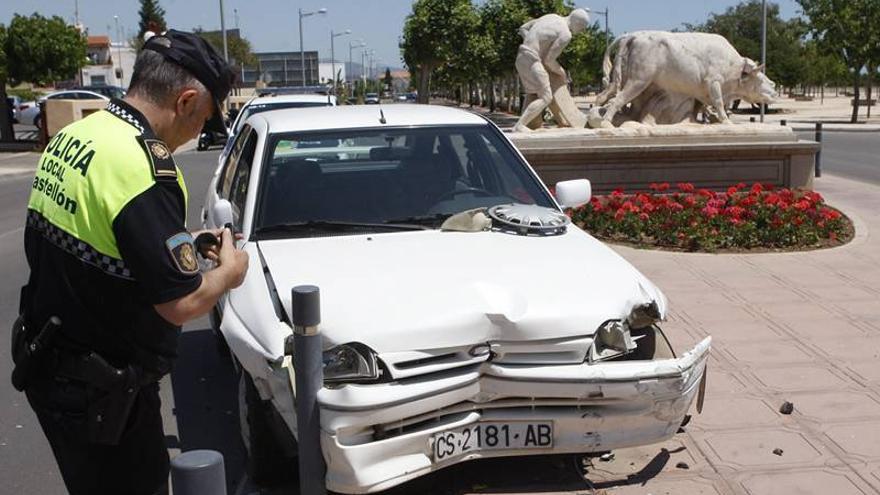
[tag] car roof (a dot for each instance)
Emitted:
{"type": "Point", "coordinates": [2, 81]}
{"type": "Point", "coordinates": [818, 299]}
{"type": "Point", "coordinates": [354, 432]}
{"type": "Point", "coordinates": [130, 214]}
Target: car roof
{"type": "Point", "coordinates": [75, 91]}
{"type": "Point", "coordinates": [362, 116]}
{"type": "Point", "coordinates": [289, 98]}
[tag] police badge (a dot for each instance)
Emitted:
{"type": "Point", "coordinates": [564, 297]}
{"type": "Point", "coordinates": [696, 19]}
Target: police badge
{"type": "Point", "coordinates": [180, 246]}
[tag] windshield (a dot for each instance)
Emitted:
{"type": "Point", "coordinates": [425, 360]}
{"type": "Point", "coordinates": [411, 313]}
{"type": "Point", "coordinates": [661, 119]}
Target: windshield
{"type": "Point", "coordinates": [256, 108]}
{"type": "Point", "coordinates": [402, 176]}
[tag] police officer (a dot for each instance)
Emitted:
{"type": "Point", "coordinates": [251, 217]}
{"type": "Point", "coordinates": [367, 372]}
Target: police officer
{"type": "Point", "coordinates": [111, 258]}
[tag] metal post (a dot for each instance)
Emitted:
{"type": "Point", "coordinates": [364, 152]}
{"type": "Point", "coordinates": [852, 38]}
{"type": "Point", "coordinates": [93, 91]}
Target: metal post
{"type": "Point", "coordinates": [332, 62]}
{"type": "Point", "coordinates": [223, 30]}
{"type": "Point", "coordinates": [197, 472]}
{"type": "Point", "coordinates": [302, 59]}
{"type": "Point", "coordinates": [782, 122]}
{"type": "Point", "coordinates": [763, 45]}
{"type": "Point", "coordinates": [308, 368]}
{"type": "Point", "coordinates": [819, 153]}
{"type": "Point", "coordinates": [119, 51]}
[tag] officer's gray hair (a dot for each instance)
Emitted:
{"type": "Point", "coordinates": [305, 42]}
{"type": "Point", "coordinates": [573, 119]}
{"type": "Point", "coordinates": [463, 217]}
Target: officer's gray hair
{"type": "Point", "coordinates": [160, 81]}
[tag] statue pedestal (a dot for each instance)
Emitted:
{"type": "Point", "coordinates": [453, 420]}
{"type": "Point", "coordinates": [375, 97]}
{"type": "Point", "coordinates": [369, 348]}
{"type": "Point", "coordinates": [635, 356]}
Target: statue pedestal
{"type": "Point", "coordinates": [633, 156]}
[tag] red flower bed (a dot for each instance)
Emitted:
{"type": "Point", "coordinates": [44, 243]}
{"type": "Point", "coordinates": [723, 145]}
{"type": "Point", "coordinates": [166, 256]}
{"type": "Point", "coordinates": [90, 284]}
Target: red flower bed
{"type": "Point", "coordinates": [756, 217]}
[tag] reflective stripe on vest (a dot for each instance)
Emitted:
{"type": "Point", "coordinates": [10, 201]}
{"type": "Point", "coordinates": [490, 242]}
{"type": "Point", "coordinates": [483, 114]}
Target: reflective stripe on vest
{"type": "Point", "coordinates": [88, 173]}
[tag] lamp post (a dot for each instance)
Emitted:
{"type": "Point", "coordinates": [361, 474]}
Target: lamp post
{"type": "Point", "coordinates": [763, 44]}
{"type": "Point", "coordinates": [119, 51]}
{"type": "Point", "coordinates": [605, 13]}
{"type": "Point", "coordinates": [302, 56]}
{"type": "Point", "coordinates": [349, 73]}
{"type": "Point", "coordinates": [223, 30]}
{"type": "Point", "coordinates": [333, 36]}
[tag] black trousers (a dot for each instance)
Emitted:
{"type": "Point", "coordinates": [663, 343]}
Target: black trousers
{"type": "Point", "coordinates": [137, 466]}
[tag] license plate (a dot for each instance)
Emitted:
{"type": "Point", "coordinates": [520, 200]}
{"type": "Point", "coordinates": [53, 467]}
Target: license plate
{"type": "Point", "coordinates": [512, 435]}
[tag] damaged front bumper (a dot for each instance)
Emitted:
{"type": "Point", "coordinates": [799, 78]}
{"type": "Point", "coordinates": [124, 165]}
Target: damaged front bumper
{"type": "Point", "coordinates": [375, 436]}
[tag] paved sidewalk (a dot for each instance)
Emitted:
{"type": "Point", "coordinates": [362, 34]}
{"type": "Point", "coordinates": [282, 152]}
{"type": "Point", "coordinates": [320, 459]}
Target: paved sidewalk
{"type": "Point", "coordinates": [799, 327]}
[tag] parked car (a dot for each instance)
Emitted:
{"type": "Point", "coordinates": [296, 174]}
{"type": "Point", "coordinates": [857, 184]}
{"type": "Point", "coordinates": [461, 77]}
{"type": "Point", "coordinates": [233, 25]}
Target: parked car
{"type": "Point", "coordinates": [371, 99]}
{"type": "Point", "coordinates": [268, 102]}
{"type": "Point", "coordinates": [463, 315]}
{"type": "Point", "coordinates": [13, 104]}
{"type": "Point", "coordinates": [108, 91]}
{"type": "Point", "coordinates": [31, 114]}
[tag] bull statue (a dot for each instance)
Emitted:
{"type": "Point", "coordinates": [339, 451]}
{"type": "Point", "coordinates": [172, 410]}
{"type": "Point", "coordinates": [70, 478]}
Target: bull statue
{"type": "Point", "coordinates": [666, 78]}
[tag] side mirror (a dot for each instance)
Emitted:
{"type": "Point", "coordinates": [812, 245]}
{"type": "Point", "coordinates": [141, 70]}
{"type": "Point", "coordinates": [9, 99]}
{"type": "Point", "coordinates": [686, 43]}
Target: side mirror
{"type": "Point", "coordinates": [573, 193]}
{"type": "Point", "coordinates": [223, 213]}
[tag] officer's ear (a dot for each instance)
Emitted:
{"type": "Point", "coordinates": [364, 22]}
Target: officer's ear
{"type": "Point", "coordinates": [187, 102]}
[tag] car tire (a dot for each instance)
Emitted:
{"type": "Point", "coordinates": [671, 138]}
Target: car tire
{"type": "Point", "coordinates": [268, 463]}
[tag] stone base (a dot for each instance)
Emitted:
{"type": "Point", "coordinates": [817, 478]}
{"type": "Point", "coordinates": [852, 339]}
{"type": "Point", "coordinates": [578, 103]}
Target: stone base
{"type": "Point", "coordinates": [709, 156]}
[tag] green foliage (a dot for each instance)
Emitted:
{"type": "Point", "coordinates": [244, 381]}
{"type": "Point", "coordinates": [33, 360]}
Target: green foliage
{"type": "Point", "coordinates": [152, 18]}
{"type": "Point", "coordinates": [388, 80]}
{"type": "Point", "coordinates": [741, 25]}
{"type": "Point", "coordinates": [583, 56]}
{"type": "Point", "coordinates": [26, 94]}
{"type": "Point", "coordinates": [240, 51]}
{"type": "Point", "coordinates": [43, 50]}
{"type": "Point", "coordinates": [3, 57]}
{"type": "Point", "coordinates": [437, 32]}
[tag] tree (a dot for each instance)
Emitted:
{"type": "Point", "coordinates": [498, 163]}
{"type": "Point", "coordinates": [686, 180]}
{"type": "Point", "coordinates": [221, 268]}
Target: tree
{"type": "Point", "coordinates": [240, 51]}
{"type": "Point", "coordinates": [152, 18]}
{"type": "Point", "coordinates": [38, 50]}
{"type": "Point", "coordinates": [388, 80]}
{"type": "Point", "coordinates": [6, 131]}
{"type": "Point", "coordinates": [850, 28]}
{"type": "Point", "coordinates": [433, 33]}
{"type": "Point", "coordinates": [741, 25]}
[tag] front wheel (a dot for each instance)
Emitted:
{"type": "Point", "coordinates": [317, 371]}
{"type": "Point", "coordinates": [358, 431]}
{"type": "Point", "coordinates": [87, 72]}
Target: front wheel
{"type": "Point", "coordinates": [267, 461]}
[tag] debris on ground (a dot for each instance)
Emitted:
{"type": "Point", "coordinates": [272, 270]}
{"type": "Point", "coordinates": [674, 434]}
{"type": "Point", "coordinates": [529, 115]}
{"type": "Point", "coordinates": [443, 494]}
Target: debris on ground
{"type": "Point", "coordinates": [777, 451]}
{"type": "Point", "coordinates": [682, 465]}
{"type": "Point", "coordinates": [786, 408]}
{"type": "Point", "coordinates": [607, 457]}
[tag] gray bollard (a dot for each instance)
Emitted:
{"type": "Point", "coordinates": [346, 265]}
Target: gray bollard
{"type": "Point", "coordinates": [819, 153]}
{"type": "Point", "coordinates": [308, 368]}
{"type": "Point", "coordinates": [752, 120]}
{"type": "Point", "coordinates": [198, 472]}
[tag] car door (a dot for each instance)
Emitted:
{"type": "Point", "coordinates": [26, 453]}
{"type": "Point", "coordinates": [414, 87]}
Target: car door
{"type": "Point", "coordinates": [222, 181]}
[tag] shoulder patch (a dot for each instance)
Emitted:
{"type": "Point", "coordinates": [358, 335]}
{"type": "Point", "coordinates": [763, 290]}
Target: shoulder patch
{"type": "Point", "coordinates": [161, 161]}
{"type": "Point", "coordinates": [180, 247]}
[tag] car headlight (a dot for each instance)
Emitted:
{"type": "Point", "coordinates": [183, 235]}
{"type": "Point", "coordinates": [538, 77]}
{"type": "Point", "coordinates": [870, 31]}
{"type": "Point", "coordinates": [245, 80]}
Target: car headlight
{"type": "Point", "coordinates": [350, 362]}
{"type": "Point", "coordinates": [614, 339]}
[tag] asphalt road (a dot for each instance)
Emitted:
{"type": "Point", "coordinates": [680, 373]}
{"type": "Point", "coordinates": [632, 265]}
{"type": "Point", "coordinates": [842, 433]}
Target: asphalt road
{"type": "Point", "coordinates": [854, 155]}
{"type": "Point", "coordinates": [200, 401]}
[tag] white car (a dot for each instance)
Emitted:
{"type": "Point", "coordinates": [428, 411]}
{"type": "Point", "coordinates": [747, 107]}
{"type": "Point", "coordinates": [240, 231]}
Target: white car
{"type": "Point", "coordinates": [463, 316]}
{"type": "Point", "coordinates": [30, 113]}
{"type": "Point", "coordinates": [259, 104]}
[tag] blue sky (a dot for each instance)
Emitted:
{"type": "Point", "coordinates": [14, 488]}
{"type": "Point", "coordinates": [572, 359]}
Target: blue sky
{"type": "Point", "coordinates": [272, 25]}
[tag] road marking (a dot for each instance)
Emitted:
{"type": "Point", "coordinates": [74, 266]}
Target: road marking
{"type": "Point", "coordinates": [11, 232]}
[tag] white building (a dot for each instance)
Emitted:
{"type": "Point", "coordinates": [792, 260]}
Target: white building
{"type": "Point", "coordinates": [110, 64]}
{"type": "Point", "coordinates": [325, 71]}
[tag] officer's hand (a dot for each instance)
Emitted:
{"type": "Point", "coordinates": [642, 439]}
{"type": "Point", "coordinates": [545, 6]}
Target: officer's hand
{"type": "Point", "coordinates": [232, 259]}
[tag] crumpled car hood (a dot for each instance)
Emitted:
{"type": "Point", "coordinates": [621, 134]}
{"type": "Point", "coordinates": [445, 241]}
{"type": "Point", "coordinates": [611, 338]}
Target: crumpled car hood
{"type": "Point", "coordinates": [433, 289]}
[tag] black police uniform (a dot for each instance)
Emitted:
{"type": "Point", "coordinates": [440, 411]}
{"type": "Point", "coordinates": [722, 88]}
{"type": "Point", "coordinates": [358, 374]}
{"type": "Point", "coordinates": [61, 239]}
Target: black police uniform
{"type": "Point", "coordinates": [106, 241]}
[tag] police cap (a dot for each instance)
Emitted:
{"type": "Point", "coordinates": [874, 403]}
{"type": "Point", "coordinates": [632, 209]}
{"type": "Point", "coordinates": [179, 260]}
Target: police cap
{"type": "Point", "coordinates": [199, 58]}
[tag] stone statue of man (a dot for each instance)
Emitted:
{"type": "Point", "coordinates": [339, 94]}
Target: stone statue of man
{"type": "Point", "coordinates": [543, 40]}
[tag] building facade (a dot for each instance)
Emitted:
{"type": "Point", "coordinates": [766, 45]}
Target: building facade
{"type": "Point", "coordinates": [110, 64]}
{"type": "Point", "coordinates": [283, 69]}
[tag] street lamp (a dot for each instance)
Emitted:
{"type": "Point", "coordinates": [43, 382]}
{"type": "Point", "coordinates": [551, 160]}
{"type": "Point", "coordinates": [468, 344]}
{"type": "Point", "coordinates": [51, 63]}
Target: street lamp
{"type": "Point", "coordinates": [119, 51]}
{"type": "Point", "coordinates": [349, 74]}
{"type": "Point", "coordinates": [223, 30]}
{"type": "Point", "coordinates": [333, 36]}
{"type": "Point", "coordinates": [302, 56]}
{"type": "Point", "coordinates": [763, 45]}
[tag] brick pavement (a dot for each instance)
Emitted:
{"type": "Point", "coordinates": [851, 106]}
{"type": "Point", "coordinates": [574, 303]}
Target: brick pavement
{"type": "Point", "coordinates": [799, 327]}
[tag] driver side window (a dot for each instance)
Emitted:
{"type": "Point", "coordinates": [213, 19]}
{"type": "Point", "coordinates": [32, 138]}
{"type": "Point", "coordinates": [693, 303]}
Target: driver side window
{"type": "Point", "coordinates": [225, 183]}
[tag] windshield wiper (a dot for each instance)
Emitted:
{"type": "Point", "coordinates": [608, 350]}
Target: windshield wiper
{"type": "Point", "coordinates": [427, 221]}
{"type": "Point", "coordinates": [335, 226]}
